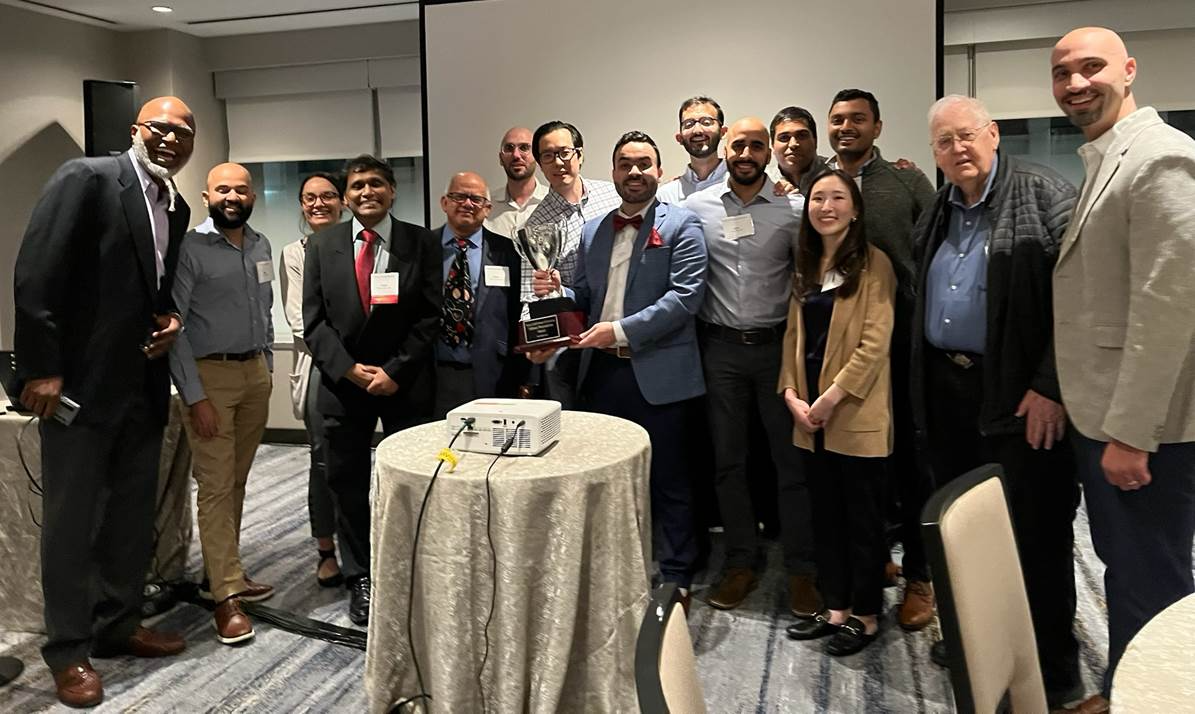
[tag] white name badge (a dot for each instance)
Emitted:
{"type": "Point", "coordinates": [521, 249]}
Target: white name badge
{"type": "Point", "coordinates": [497, 276]}
{"type": "Point", "coordinates": [265, 271]}
{"type": "Point", "coordinates": [383, 288]}
{"type": "Point", "coordinates": [735, 227]}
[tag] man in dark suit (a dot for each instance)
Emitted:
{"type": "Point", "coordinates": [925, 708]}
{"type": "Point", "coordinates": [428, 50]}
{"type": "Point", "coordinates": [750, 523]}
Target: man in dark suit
{"type": "Point", "coordinates": [479, 318]}
{"type": "Point", "coordinates": [94, 317]}
{"type": "Point", "coordinates": [640, 277]}
{"type": "Point", "coordinates": [371, 310]}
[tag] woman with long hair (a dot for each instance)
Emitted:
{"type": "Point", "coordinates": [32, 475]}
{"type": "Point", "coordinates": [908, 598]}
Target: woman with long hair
{"type": "Point", "coordinates": [836, 382]}
{"type": "Point", "coordinates": [321, 200]}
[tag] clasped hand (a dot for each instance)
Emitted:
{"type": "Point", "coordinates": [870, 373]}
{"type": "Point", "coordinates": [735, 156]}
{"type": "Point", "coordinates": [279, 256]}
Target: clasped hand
{"type": "Point", "coordinates": [373, 380]}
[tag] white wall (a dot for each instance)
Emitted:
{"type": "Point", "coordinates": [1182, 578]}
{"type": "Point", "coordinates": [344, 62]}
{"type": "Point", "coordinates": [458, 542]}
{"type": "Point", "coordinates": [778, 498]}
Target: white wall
{"type": "Point", "coordinates": [617, 65]}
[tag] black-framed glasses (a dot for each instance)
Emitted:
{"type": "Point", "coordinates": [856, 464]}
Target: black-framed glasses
{"type": "Point", "coordinates": [309, 199]}
{"type": "Point", "coordinates": [462, 198]}
{"type": "Point", "coordinates": [565, 155]}
{"type": "Point", "coordinates": [705, 122]}
{"type": "Point", "coordinates": [966, 137]}
{"type": "Point", "coordinates": [164, 129]}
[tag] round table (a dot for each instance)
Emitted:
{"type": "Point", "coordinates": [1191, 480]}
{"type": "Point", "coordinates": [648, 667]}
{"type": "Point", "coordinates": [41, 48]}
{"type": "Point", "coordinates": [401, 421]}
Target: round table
{"type": "Point", "coordinates": [1157, 672]}
{"type": "Point", "coordinates": [572, 533]}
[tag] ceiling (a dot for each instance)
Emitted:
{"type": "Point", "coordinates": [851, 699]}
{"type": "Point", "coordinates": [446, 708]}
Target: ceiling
{"type": "Point", "coordinates": [213, 18]}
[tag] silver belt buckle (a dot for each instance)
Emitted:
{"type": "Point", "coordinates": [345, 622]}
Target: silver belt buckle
{"type": "Point", "coordinates": [961, 359]}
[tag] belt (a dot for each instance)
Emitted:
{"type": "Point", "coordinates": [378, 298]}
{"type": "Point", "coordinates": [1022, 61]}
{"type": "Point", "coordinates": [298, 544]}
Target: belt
{"type": "Point", "coordinates": [964, 360]}
{"type": "Point", "coordinates": [756, 336]}
{"type": "Point", "coordinates": [233, 356]}
{"type": "Point", "coordinates": [621, 352]}
{"type": "Point", "coordinates": [453, 365]}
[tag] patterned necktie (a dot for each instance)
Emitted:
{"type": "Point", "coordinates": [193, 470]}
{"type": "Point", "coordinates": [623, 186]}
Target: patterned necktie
{"type": "Point", "coordinates": [364, 266]}
{"type": "Point", "coordinates": [456, 321]}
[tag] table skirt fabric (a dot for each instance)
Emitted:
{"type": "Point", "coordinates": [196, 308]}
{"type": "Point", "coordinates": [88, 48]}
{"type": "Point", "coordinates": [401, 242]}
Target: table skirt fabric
{"type": "Point", "coordinates": [572, 533]}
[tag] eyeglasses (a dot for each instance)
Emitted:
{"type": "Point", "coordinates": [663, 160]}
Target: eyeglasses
{"type": "Point", "coordinates": [966, 137]}
{"type": "Point", "coordinates": [163, 129]}
{"type": "Point", "coordinates": [512, 148]}
{"type": "Point", "coordinates": [462, 198]}
{"type": "Point", "coordinates": [309, 199]}
{"type": "Point", "coordinates": [565, 155]}
{"type": "Point", "coordinates": [706, 122]}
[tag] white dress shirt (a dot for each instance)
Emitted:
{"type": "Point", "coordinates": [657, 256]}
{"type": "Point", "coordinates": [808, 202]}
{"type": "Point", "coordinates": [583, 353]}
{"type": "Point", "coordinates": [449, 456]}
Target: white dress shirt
{"type": "Point", "coordinates": [616, 278]}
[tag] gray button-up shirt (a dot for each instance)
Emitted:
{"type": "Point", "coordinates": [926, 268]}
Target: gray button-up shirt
{"type": "Point", "coordinates": [224, 303]}
{"type": "Point", "coordinates": [749, 279]}
{"type": "Point", "coordinates": [956, 297]}
{"type": "Point", "coordinates": [688, 184]}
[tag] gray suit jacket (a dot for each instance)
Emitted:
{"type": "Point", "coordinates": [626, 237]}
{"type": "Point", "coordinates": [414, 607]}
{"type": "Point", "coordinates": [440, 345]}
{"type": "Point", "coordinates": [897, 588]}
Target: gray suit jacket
{"type": "Point", "coordinates": [1124, 291]}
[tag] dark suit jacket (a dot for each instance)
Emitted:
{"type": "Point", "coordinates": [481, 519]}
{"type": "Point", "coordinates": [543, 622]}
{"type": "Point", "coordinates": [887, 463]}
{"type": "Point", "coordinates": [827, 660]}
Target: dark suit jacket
{"type": "Point", "coordinates": [397, 337]}
{"type": "Point", "coordinates": [497, 371]}
{"type": "Point", "coordinates": [87, 288]}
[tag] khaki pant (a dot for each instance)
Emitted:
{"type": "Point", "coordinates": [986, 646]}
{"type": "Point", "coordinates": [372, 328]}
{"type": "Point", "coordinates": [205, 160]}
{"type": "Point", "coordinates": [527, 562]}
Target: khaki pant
{"type": "Point", "coordinates": [240, 393]}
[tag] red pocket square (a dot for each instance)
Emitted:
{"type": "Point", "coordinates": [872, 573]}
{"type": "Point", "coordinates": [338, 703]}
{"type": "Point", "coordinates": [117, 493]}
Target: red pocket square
{"type": "Point", "coordinates": [654, 240]}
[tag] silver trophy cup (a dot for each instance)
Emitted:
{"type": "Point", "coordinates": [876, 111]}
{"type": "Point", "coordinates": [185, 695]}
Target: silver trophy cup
{"type": "Point", "coordinates": [555, 320]}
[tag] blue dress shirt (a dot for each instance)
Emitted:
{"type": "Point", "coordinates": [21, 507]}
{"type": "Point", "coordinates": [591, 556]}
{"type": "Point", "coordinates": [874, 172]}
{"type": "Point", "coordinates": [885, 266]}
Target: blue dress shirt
{"type": "Point", "coordinates": [460, 353]}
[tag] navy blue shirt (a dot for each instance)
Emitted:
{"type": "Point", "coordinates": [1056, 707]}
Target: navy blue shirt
{"type": "Point", "coordinates": [956, 286]}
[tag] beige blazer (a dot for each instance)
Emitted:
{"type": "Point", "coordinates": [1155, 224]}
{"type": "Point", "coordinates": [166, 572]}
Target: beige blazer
{"type": "Point", "coordinates": [293, 255]}
{"type": "Point", "coordinates": [1124, 291]}
{"type": "Point", "coordinates": [856, 360]}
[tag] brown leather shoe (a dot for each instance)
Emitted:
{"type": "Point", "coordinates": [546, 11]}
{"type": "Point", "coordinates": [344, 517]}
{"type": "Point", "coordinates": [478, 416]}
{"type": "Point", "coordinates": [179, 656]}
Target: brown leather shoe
{"type": "Point", "coordinates": [144, 642]}
{"type": "Point", "coordinates": [79, 685]}
{"type": "Point", "coordinates": [733, 588]}
{"type": "Point", "coordinates": [804, 600]}
{"type": "Point", "coordinates": [892, 571]}
{"type": "Point", "coordinates": [255, 592]}
{"type": "Point", "coordinates": [1095, 704]}
{"type": "Point", "coordinates": [918, 608]}
{"type": "Point", "coordinates": [231, 623]}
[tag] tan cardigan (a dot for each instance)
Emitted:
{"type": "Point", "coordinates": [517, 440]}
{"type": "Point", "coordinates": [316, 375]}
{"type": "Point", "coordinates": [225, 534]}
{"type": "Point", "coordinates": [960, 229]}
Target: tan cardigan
{"type": "Point", "coordinates": [856, 360]}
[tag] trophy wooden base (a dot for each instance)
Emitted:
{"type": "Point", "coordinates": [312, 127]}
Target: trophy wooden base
{"type": "Point", "coordinates": [560, 329]}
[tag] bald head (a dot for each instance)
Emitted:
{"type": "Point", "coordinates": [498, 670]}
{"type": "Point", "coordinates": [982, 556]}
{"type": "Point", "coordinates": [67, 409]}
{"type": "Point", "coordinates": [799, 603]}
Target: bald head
{"type": "Point", "coordinates": [466, 203]}
{"type": "Point", "coordinates": [748, 150]}
{"type": "Point", "coordinates": [229, 196]}
{"type": "Point", "coordinates": [164, 135]}
{"type": "Point", "coordinates": [515, 155]}
{"type": "Point", "coordinates": [1092, 76]}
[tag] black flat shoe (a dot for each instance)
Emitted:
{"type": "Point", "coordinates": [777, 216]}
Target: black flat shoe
{"type": "Point", "coordinates": [937, 654]}
{"type": "Point", "coordinates": [819, 626]}
{"type": "Point", "coordinates": [332, 580]}
{"type": "Point", "coordinates": [359, 601]}
{"type": "Point", "coordinates": [849, 639]}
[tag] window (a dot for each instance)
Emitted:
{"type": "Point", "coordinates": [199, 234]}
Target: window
{"type": "Point", "coordinates": [1055, 142]}
{"type": "Point", "coordinates": [276, 213]}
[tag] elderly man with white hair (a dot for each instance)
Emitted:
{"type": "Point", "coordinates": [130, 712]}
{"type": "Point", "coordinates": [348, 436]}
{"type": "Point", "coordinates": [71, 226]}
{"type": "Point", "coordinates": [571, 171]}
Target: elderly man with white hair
{"type": "Point", "coordinates": [984, 385]}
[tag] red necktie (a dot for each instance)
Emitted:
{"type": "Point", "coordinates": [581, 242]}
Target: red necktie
{"type": "Point", "coordinates": [364, 266]}
{"type": "Point", "coordinates": [620, 222]}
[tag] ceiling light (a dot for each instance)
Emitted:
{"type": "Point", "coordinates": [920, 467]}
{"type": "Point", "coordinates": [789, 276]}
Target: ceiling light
{"type": "Point", "coordinates": [162, 9]}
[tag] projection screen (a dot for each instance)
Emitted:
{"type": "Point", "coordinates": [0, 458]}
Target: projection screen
{"type": "Point", "coordinates": [610, 66]}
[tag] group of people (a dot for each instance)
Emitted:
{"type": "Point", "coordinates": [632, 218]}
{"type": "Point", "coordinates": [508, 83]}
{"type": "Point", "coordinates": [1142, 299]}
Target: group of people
{"type": "Point", "coordinates": [887, 337]}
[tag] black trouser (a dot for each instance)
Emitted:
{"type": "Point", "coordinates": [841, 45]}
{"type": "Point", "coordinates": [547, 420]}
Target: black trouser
{"type": "Point", "coordinates": [454, 386]}
{"type": "Point", "coordinates": [1043, 495]}
{"type": "Point", "coordinates": [740, 378]}
{"type": "Point", "coordinates": [560, 381]}
{"type": "Point", "coordinates": [610, 388]}
{"type": "Point", "coordinates": [848, 528]}
{"type": "Point", "coordinates": [100, 483]}
{"type": "Point", "coordinates": [348, 441]}
{"type": "Point", "coordinates": [320, 507]}
{"type": "Point", "coordinates": [1144, 538]}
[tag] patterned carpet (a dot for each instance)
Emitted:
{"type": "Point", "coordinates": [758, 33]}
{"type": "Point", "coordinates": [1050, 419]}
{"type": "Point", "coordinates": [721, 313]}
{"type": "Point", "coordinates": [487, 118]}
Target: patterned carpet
{"type": "Point", "coordinates": [745, 661]}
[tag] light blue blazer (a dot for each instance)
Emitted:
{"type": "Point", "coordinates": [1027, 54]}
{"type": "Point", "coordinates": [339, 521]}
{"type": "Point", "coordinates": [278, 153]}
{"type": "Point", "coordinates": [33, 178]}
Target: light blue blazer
{"type": "Point", "coordinates": [665, 287]}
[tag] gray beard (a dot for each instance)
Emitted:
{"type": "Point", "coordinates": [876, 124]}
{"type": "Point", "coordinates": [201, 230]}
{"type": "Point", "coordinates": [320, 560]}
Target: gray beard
{"type": "Point", "coordinates": [159, 172]}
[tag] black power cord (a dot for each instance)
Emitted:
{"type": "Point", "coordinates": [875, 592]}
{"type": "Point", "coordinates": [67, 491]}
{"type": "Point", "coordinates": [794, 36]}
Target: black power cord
{"type": "Point", "coordinates": [489, 535]}
{"type": "Point", "coordinates": [411, 589]}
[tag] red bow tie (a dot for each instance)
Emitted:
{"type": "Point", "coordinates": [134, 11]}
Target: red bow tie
{"type": "Point", "coordinates": [620, 222]}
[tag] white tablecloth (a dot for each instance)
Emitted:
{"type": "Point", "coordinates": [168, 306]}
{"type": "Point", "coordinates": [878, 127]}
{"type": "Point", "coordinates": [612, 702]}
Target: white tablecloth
{"type": "Point", "coordinates": [1157, 672]}
{"type": "Point", "coordinates": [20, 512]}
{"type": "Point", "coordinates": [572, 532]}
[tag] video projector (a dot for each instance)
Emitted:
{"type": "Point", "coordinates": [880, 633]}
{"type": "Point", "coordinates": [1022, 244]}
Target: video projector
{"type": "Point", "coordinates": [495, 420]}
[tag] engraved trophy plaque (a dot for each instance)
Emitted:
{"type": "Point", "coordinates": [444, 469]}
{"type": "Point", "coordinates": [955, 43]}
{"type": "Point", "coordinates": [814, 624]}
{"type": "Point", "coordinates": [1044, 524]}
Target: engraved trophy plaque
{"type": "Point", "coordinates": [554, 319]}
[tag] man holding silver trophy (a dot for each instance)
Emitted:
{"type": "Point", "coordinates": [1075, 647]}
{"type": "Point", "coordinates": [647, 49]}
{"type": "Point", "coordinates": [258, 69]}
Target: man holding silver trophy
{"type": "Point", "coordinates": [639, 275]}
